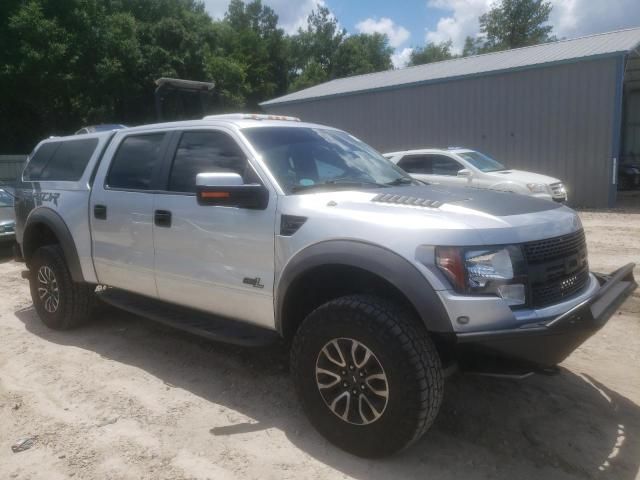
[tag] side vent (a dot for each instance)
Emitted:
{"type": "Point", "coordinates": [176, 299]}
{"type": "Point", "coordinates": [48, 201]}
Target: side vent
{"type": "Point", "coordinates": [289, 224]}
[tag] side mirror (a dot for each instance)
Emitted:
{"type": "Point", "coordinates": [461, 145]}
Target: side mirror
{"type": "Point", "coordinates": [228, 190]}
{"type": "Point", "coordinates": [465, 172]}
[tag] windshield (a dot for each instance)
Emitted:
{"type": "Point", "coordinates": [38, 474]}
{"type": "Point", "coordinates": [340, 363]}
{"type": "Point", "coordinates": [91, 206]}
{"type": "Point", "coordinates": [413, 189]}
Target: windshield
{"type": "Point", "coordinates": [482, 162]}
{"type": "Point", "coordinates": [6, 199]}
{"type": "Point", "coordinates": [304, 158]}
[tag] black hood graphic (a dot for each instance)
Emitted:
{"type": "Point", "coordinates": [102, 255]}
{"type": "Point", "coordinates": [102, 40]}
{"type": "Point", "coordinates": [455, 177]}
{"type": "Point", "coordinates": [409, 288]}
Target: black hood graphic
{"type": "Point", "coordinates": [500, 204]}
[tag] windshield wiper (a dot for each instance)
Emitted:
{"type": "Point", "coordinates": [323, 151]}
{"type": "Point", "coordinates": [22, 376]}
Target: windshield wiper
{"type": "Point", "coordinates": [339, 182]}
{"type": "Point", "coordinates": [400, 181]}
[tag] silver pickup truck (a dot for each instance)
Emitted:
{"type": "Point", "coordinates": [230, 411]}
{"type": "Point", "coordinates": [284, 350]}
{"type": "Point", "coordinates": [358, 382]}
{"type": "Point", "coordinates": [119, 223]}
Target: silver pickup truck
{"type": "Point", "coordinates": [250, 229]}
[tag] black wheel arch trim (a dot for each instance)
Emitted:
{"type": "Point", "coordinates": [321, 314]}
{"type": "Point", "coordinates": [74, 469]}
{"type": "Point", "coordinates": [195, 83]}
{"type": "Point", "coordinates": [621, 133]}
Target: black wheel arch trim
{"type": "Point", "coordinates": [374, 259]}
{"type": "Point", "coordinates": [50, 218]}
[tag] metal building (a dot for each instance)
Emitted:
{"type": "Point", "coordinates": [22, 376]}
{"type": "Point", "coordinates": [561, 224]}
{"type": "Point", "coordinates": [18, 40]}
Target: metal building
{"type": "Point", "coordinates": [559, 108]}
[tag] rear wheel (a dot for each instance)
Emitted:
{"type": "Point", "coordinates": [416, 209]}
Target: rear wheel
{"type": "Point", "coordinates": [367, 374]}
{"type": "Point", "coordinates": [60, 302]}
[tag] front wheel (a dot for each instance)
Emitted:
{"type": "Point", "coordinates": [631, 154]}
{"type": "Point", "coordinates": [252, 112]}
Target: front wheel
{"type": "Point", "coordinates": [60, 302]}
{"type": "Point", "coordinates": [368, 375]}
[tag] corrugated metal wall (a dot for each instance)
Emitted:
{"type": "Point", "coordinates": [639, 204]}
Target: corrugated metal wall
{"type": "Point", "coordinates": [556, 120]}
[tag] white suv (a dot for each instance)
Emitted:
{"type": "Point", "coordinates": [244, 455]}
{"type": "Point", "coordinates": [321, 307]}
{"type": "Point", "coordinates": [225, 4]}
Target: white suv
{"type": "Point", "coordinates": [464, 167]}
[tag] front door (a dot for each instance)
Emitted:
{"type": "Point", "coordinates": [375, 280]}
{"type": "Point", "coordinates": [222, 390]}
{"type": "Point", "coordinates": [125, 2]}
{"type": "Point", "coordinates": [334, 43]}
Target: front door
{"type": "Point", "coordinates": [121, 210]}
{"type": "Point", "coordinates": [434, 168]}
{"type": "Point", "coordinates": [213, 258]}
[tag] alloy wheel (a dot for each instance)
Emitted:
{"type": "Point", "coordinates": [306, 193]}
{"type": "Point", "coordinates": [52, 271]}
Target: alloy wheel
{"type": "Point", "coordinates": [48, 290]}
{"type": "Point", "coordinates": [352, 381]}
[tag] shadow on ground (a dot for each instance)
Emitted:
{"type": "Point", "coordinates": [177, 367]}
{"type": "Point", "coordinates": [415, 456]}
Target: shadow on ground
{"type": "Point", "coordinates": [565, 426]}
{"type": "Point", "coordinates": [6, 252]}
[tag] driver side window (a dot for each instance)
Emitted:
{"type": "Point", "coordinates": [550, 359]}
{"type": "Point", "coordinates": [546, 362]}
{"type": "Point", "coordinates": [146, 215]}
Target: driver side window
{"type": "Point", "coordinates": [443, 165]}
{"type": "Point", "coordinates": [205, 151]}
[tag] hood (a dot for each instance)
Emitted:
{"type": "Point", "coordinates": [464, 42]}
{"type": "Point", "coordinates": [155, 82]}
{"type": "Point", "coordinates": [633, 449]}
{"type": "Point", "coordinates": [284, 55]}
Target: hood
{"type": "Point", "coordinates": [445, 215]}
{"type": "Point", "coordinates": [483, 201]}
{"type": "Point", "coordinates": [522, 176]}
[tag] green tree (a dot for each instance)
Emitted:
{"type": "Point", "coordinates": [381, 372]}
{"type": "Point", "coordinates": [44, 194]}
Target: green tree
{"type": "Point", "coordinates": [431, 52]}
{"type": "Point", "coordinates": [472, 46]}
{"type": "Point", "coordinates": [516, 23]}
{"type": "Point", "coordinates": [69, 63]}
{"type": "Point", "coordinates": [319, 41]}
{"type": "Point", "coordinates": [261, 47]}
{"type": "Point", "coordinates": [323, 51]}
{"type": "Point", "coordinates": [363, 53]}
{"type": "Point", "coordinates": [312, 74]}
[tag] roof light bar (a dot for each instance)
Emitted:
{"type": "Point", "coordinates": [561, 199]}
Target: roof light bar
{"type": "Point", "coordinates": [251, 116]}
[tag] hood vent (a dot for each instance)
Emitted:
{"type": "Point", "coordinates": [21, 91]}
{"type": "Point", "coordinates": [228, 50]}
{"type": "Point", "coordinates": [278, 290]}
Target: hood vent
{"type": "Point", "coordinates": [290, 224]}
{"type": "Point", "coordinates": [406, 200]}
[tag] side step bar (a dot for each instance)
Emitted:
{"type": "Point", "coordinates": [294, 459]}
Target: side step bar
{"type": "Point", "coordinates": [189, 320]}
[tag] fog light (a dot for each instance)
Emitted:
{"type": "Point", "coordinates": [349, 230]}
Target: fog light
{"type": "Point", "coordinates": [513, 294]}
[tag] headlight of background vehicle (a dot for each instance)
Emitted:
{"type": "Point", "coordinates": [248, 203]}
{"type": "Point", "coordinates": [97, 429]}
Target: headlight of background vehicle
{"type": "Point", "coordinates": [496, 271]}
{"type": "Point", "coordinates": [537, 188]}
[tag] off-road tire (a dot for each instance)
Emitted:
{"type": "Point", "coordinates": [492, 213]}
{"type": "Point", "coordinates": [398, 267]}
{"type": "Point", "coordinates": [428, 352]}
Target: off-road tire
{"type": "Point", "coordinates": [74, 299]}
{"type": "Point", "coordinates": [405, 351]}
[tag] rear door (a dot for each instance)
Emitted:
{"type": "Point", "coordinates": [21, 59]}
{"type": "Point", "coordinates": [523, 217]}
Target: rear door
{"type": "Point", "coordinates": [213, 258]}
{"type": "Point", "coordinates": [121, 210]}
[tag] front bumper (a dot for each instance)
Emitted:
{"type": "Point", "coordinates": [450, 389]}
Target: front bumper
{"type": "Point", "coordinates": [549, 342]}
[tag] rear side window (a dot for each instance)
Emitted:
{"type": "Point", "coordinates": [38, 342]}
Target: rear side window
{"type": "Point", "coordinates": [135, 161]}
{"type": "Point", "coordinates": [61, 161]}
{"type": "Point", "coordinates": [200, 152]}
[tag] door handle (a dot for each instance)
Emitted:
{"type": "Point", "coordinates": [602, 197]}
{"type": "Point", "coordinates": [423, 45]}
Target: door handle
{"type": "Point", "coordinates": [162, 218]}
{"type": "Point", "coordinates": [100, 212]}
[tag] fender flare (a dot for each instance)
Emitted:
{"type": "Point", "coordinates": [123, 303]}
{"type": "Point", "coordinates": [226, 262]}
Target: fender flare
{"type": "Point", "coordinates": [374, 259]}
{"type": "Point", "coordinates": [50, 218]}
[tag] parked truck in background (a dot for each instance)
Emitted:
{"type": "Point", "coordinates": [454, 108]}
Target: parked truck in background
{"type": "Point", "coordinates": [249, 229]}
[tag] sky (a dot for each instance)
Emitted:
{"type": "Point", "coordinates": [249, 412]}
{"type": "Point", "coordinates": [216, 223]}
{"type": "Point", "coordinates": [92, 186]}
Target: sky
{"type": "Point", "coordinates": [411, 23]}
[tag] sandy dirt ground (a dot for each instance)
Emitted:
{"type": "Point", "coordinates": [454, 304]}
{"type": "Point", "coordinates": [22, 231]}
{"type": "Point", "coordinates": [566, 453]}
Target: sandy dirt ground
{"type": "Point", "coordinates": [126, 398]}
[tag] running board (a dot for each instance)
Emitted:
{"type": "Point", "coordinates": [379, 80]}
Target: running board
{"type": "Point", "coordinates": [189, 320]}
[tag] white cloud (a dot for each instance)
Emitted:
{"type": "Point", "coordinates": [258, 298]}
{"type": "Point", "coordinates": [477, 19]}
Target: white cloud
{"type": "Point", "coordinates": [397, 34]}
{"type": "Point", "coordinates": [216, 8]}
{"type": "Point", "coordinates": [401, 58]}
{"type": "Point", "coordinates": [569, 18]}
{"type": "Point", "coordinates": [291, 15]}
{"type": "Point", "coordinates": [573, 18]}
{"type": "Point", "coordinates": [462, 21]}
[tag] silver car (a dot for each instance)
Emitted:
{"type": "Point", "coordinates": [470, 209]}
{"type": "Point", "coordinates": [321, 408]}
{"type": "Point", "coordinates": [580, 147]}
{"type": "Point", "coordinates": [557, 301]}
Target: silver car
{"type": "Point", "coordinates": [7, 215]}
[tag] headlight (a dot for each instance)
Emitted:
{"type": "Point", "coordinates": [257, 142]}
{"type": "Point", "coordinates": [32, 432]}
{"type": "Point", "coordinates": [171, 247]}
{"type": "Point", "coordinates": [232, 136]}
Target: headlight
{"type": "Point", "coordinates": [537, 187]}
{"type": "Point", "coordinates": [490, 271]}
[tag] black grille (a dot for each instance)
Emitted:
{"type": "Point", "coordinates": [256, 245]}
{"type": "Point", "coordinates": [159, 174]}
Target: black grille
{"type": "Point", "coordinates": [555, 292]}
{"type": "Point", "coordinates": [554, 248]}
{"type": "Point", "coordinates": [558, 268]}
